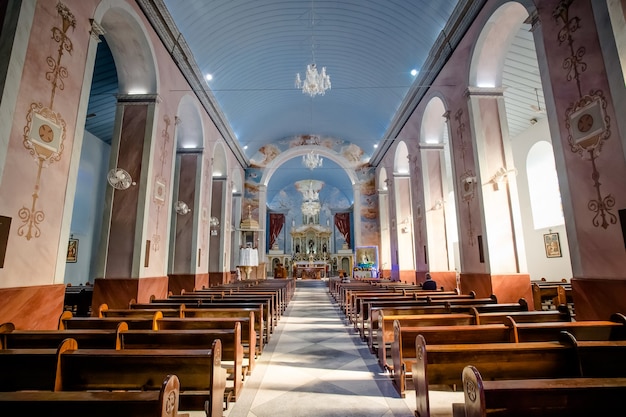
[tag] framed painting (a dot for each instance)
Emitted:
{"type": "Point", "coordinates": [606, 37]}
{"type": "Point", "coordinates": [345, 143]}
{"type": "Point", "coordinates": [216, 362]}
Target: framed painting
{"type": "Point", "coordinates": [72, 250]}
{"type": "Point", "coordinates": [552, 245]}
{"type": "Point", "coordinates": [367, 257]}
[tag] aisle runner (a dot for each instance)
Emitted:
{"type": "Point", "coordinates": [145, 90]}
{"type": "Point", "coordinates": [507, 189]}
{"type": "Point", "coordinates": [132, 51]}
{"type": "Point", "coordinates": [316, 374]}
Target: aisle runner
{"type": "Point", "coordinates": [315, 365]}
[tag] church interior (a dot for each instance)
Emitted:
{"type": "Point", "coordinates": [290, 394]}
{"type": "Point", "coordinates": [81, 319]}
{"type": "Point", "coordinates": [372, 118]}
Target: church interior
{"type": "Point", "coordinates": [311, 150]}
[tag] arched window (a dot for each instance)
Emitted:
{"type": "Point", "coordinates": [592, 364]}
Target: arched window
{"type": "Point", "coordinates": [543, 186]}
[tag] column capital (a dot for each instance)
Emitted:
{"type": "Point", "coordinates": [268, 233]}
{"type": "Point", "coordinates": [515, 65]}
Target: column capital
{"type": "Point", "coordinates": [138, 99]}
{"type": "Point", "coordinates": [495, 92]}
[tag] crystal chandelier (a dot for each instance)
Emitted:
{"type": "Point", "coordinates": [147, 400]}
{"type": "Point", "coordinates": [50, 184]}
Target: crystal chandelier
{"type": "Point", "coordinates": [312, 160]}
{"type": "Point", "coordinates": [311, 208]}
{"type": "Point", "coordinates": [315, 83]}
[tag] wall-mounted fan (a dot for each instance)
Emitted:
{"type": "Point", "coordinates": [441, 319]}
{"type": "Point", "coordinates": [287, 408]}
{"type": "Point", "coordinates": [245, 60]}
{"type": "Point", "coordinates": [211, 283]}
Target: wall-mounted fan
{"type": "Point", "coordinates": [181, 208]}
{"type": "Point", "coordinates": [119, 179]}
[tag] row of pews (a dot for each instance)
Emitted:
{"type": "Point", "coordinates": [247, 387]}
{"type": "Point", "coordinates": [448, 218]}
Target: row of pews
{"type": "Point", "coordinates": [548, 295]}
{"type": "Point", "coordinates": [509, 358]}
{"type": "Point", "coordinates": [191, 352]}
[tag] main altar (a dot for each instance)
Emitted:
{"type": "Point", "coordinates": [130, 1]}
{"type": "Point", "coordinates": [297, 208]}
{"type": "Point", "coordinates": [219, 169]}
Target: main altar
{"type": "Point", "coordinates": [311, 251]}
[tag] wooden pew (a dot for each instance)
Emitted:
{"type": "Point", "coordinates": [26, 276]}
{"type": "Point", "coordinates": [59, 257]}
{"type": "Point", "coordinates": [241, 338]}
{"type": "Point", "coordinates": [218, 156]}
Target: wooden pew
{"type": "Point", "coordinates": [232, 349]}
{"type": "Point", "coordinates": [88, 338]}
{"type": "Point", "coordinates": [78, 299]}
{"type": "Point", "coordinates": [198, 301]}
{"type": "Point", "coordinates": [409, 354]}
{"type": "Point", "coordinates": [161, 403]}
{"type": "Point", "coordinates": [554, 397]}
{"type": "Point", "coordinates": [248, 334]}
{"type": "Point", "coordinates": [552, 293]}
{"type": "Point", "coordinates": [376, 309]}
{"type": "Point", "coordinates": [30, 384]}
{"type": "Point", "coordinates": [613, 329]}
{"type": "Point", "coordinates": [68, 321]}
{"type": "Point", "coordinates": [202, 378]}
{"type": "Point", "coordinates": [598, 388]}
{"type": "Point", "coordinates": [259, 327]}
{"type": "Point", "coordinates": [28, 369]}
{"type": "Point", "coordinates": [534, 316]}
{"type": "Point", "coordinates": [192, 309]}
{"type": "Point", "coordinates": [386, 330]}
{"type": "Point", "coordinates": [389, 308]}
{"type": "Point", "coordinates": [444, 364]}
{"type": "Point", "coordinates": [170, 311]}
{"type": "Point", "coordinates": [354, 299]}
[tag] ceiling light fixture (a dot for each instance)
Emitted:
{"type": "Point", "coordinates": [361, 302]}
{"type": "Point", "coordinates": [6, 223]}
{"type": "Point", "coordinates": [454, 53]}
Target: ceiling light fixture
{"type": "Point", "coordinates": [314, 82]}
{"type": "Point", "coordinates": [312, 160]}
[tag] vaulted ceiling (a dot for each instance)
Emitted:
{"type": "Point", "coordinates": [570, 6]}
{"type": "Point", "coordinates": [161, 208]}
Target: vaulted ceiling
{"type": "Point", "coordinates": [253, 50]}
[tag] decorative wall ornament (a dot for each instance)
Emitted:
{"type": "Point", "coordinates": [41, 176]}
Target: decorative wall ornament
{"type": "Point", "coordinates": [45, 130]}
{"type": "Point", "coordinates": [160, 182]}
{"type": "Point", "coordinates": [586, 118]}
{"type": "Point", "coordinates": [467, 180]}
{"type": "Point", "coordinates": [57, 72]}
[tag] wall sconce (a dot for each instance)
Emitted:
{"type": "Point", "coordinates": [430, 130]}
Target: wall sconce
{"type": "Point", "coordinates": [214, 225]}
{"type": "Point", "coordinates": [406, 223]}
{"type": "Point", "coordinates": [182, 208]}
{"type": "Point", "coordinates": [439, 203]}
{"type": "Point", "coordinates": [501, 176]}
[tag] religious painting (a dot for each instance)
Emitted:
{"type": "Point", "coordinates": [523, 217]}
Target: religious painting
{"type": "Point", "coordinates": [72, 250]}
{"type": "Point", "coordinates": [552, 244]}
{"type": "Point", "coordinates": [367, 257]}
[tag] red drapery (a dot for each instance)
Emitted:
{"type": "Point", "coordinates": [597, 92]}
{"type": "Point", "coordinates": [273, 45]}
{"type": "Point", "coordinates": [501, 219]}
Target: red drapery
{"type": "Point", "coordinates": [342, 222]}
{"type": "Point", "coordinates": [276, 225]}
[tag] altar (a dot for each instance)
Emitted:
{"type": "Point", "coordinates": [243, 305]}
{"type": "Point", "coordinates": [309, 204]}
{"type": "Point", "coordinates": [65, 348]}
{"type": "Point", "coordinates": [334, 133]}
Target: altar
{"type": "Point", "coordinates": [307, 270]}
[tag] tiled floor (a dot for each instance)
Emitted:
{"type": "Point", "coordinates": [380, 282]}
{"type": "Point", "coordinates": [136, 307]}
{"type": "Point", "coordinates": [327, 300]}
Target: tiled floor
{"type": "Point", "coordinates": [316, 365]}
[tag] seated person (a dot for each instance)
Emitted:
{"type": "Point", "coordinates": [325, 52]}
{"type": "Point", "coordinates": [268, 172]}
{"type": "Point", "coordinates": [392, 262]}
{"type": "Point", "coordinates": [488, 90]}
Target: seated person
{"type": "Point", "coordinates": [429, 284]}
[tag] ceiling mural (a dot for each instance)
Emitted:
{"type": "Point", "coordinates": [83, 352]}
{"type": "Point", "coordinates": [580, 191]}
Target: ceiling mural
{"type": "Point", "coordinates": [352, 153]}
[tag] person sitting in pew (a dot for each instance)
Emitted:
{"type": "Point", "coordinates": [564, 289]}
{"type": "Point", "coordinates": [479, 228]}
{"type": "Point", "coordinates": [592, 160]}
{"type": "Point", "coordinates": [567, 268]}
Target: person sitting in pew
{"type": "Point", "coordinates": [430, 283]}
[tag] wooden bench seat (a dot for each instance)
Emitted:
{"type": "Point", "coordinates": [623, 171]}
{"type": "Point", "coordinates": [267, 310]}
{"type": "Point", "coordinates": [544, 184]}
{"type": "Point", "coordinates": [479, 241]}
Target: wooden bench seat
{"type": "Point", "coordinates": [194, 309]}
{"type": "Point", "coordinates": [597, 389]}
{"type": "Point", "coordinates": [270, 313]}
{"type": "Point", "coordinates": [553, 397]}
{"type": "Point", "coordinates": [259, 328]}
{"type": "Point", "coordinates": [170, 311]}
{"type": "Point", "coordinates": [232, 349]}
{"type": "Point", "coordinates": [444, 364]}
{"type": "Point", "coordinates": [450, 344]}
{"type": "Point", "coordinates": [534, 316]}
{"type": "Point", "coordinates": [28, 369]}
{"type": "Point", "coordinates": [161, 403]}
{"type": "Point", "coordinates": [389, 308]}
{"type": "Point", "coordinates": [89, 338]}
{"type": "Point", "coordinates": [613, 329]}
{"type": "Point", "coordinates": [68, 321]}
{"type": "Point", "coordinates": [387, 324]}
{"type": "Point", "coordinates": [202, 378]}
{"type": "Point", "coordinates": [248, 334]}
{"type": "Point", "coordinates": [551, 294]}
{"type": "Point", "coordinates": [369, 326]}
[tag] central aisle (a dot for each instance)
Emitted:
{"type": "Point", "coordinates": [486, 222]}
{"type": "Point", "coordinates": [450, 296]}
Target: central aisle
{"type": "Point", "coordinates": [316, 365]}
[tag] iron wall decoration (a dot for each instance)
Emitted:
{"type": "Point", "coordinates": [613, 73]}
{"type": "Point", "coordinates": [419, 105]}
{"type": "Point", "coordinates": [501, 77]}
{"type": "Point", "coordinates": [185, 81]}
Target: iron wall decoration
{"type": "Point", "coordinates": [586, 118]}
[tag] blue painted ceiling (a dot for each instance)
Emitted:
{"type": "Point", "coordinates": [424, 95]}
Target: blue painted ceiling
{"type": "Point", "coordinates": [254, 48]}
